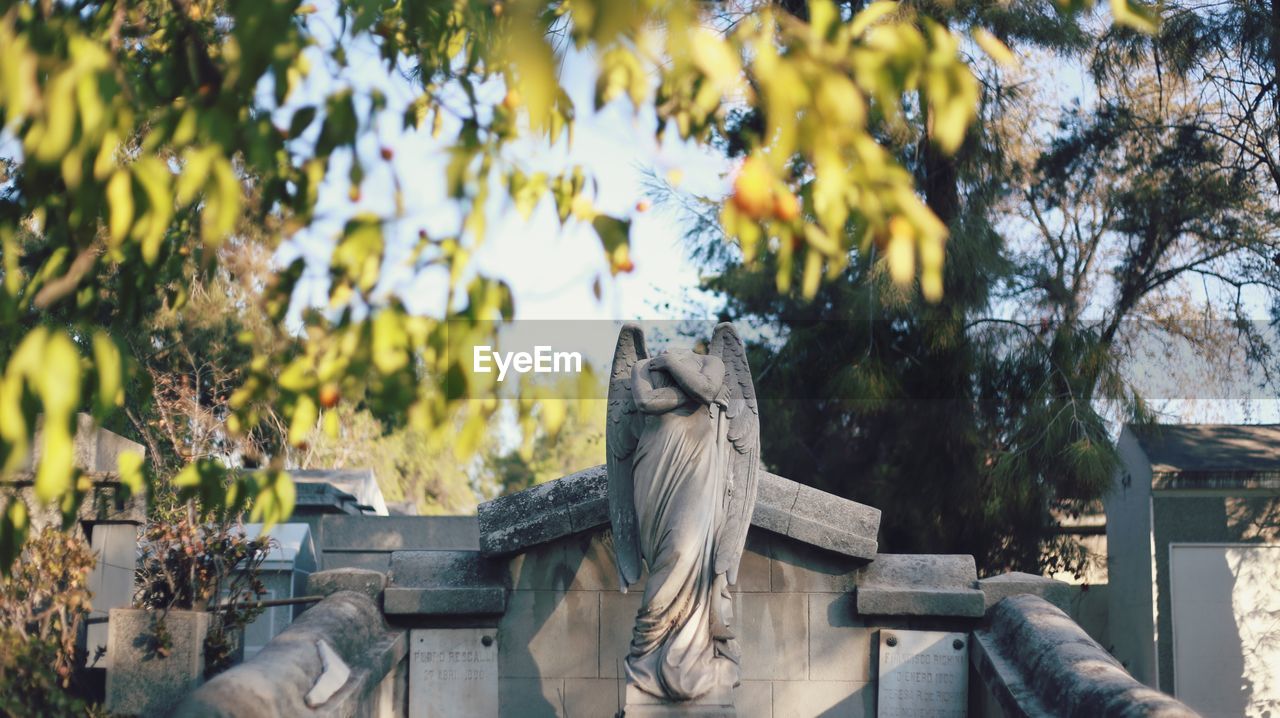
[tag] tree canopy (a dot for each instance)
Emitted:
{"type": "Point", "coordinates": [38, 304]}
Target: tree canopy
{"type": "Point", "coordinates": [1146, 216]}
{"type": "Point", "coordinates": [146, 136]}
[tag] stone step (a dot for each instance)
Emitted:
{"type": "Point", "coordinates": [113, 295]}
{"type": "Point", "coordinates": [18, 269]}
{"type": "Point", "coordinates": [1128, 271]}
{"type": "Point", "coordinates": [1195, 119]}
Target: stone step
{"type": "Point", "coordinates": [447, 583]}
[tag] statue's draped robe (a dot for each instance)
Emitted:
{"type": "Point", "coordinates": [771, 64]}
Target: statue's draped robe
{"type": "Point", "coordinates": [679, 492]}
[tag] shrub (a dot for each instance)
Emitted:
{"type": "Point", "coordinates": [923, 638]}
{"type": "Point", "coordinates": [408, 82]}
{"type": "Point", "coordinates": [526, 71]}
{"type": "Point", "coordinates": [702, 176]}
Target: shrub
{"type": "Point", "coordinates": [201, 563]}
{"type": "Point", "coordinates": [43, 604]}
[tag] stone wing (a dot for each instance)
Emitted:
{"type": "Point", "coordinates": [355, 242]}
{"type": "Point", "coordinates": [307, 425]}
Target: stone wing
{"type": "Point", "coordinates": [622, 430]}
{"type": "Point", "coordinates": [742, 455]}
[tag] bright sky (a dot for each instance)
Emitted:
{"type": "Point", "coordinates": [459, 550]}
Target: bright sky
{"type": "Point", "coordinates": [551, 270]}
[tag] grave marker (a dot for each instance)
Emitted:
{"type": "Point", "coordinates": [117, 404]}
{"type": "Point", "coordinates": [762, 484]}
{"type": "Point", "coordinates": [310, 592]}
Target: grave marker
{"type": "Point", "coordinates": [453, 672]}
{"type": "Point", "coordinates": [923, 674]}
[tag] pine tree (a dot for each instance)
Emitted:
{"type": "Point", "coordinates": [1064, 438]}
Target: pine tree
{"type": "Point", "coordinates": [973, 421]}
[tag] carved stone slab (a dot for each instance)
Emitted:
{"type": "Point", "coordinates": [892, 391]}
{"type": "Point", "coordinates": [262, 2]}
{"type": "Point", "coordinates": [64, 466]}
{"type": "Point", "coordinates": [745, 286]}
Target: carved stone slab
{"type": "Point", "coordinates": [579, 502]}
{"type": "Point", "coordinates": [920, 585]}
{"type": "Point", "coordinates": [453, 673]}
{"type": "Point", "coordinates": [445, 583]}
{"type": "Point", "coordinates": [923, 674]}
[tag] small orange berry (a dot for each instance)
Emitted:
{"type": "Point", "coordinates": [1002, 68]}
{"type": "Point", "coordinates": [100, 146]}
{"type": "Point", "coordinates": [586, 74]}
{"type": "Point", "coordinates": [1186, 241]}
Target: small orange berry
{"type": "Point", "coordinates": [786, 207]}
{"type": "Point", "coordinates": [753, 189]}
{"type": "Point", "coordinates": [329, 396]}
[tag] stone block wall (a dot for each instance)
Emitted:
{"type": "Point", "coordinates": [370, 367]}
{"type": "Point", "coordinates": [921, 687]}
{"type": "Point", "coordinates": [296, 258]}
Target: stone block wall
{"type": "Point", "coordinates": [368, 541]}
{"type": "Point", "coordinates": [806, 649]}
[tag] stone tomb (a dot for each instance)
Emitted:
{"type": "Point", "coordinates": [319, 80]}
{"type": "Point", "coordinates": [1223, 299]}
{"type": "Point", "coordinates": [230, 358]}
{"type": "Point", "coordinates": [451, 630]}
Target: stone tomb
{"type": "Point", "coordinates": [524, 619]}
{"type": "Point", "coordinates": [812, 601]}
{"type": "Point", "coordinates": [284, 572]}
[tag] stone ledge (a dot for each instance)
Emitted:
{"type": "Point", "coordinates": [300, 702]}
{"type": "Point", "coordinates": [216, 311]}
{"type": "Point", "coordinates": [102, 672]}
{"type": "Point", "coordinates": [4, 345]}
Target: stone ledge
{"type": "Point", "coordinates": [446, 583]}
{"type": "Point", "coordinates": [1014, 583]}
{"type": "Point", "coordinates": [580, 502]}
{"type": "Point", "coordinates": [446, 569]}
{"type": "Point", "coordinates": [920, 585]}
{"type": "Point", "coordinates": [474, 601]}
{"type": "Point", "coordinates": [874, 601]}
{"type": "Point", "coordinates": [360, 580]}
{"type": "Point", "coordinates": [544, 513]}
{"type": "Point", "coordinates": [1037, 662]}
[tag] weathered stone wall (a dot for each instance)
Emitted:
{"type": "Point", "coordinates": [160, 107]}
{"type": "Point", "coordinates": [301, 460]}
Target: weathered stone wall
{"type": "Point", "coordinates": [806, 648]}
{"type": "Point", "coordinates": [368, 541]}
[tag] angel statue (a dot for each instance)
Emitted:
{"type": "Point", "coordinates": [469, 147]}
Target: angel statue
{"type": "Point", "coordinates": [683, 446]}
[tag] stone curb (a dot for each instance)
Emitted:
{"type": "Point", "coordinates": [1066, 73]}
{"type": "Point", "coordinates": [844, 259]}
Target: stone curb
{"type": "Point", "coordinates": [1037, 662]}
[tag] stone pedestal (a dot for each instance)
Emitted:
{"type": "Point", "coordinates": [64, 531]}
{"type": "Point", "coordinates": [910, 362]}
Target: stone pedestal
{"type": "Point", "coordinates": [716, 704]}
{"type": "Point", "coordinates": [139, 681]}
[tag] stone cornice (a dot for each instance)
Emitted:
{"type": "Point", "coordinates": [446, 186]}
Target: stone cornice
{"type": "Point", "coordinates": [580, 502]}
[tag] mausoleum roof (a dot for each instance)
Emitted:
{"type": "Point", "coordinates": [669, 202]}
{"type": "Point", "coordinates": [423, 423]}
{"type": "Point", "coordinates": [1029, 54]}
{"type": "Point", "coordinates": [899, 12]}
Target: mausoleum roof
{"type": "Point", "coordinates": [580, 502]}
{"type": "Point", "coordinates": [360, 485]}
{"type": "Point", "coordinates": [1210, 449]}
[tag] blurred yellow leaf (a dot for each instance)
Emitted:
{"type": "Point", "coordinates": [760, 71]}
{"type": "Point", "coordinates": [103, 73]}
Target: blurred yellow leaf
{"type": "Point", "coordinates": [305, 416]}
{"type": "Point", "coordinates": [110, 365]}
{"type": "Point", "coordinates": [275, 498]}
{"type": "Point", "coordinates": [58, 379]}
{"type": "Point", "coordinates": [900, 251]}
{"type": "Point", "coordinates": [223, 206]}
{"type": "Point", "coordinates": [390, 342]}
{"type": "Point", "coordinates": [120, 205]}
{"type": "Point", "coordinates": [195, 173]}
{"type": "Point", "coordinates": [129, 465]}
{"type": "Point", "coordinates": [994, 48]}
{"type": "Point", "coordinates": [150, 230]}
{"type": "Point", "coordinates": [554, 412]}
{"type": "Point", "coordinates": [870, 15]}
{"type": "Point", "coordinates": [1138, 15]}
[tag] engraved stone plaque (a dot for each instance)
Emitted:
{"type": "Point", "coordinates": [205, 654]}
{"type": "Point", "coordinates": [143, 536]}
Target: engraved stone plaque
{"type": "Point", "coordinates": [453, 672]}
{"type": "Point", "coordinates": [923, 674]}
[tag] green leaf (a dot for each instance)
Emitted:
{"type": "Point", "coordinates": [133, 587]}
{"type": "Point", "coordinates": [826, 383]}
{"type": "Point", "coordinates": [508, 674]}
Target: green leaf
{"type": "Point", "coordinates": [130, 466]}
{"type": "Point", "coordinates": [390, 342]}
{"type": "Point", "coordinates": [154, 177]}
{"type": "Point", "coordinates": [204, 480]}
{"type": "Point", "coordinates": [301, 120]}
{"type": "Point", "coordinates": [110, 365]}
{"type": "Point", "coordinates": [615, 235]}
{"type": "Point", "coordinates": [359, 252]}
{"type": "Point", "coordinates": [195, 173]}
{"type": "Point", "coordinates": [305, 415]}
{"type": "Point", "coordinates": [58, 379]}
{"type": "Point", "coordinates": [275, 500]}
{"type": "Point", "coordinates": [120, 206]}
{"type": "Point", "coordinates": [222, 209]}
